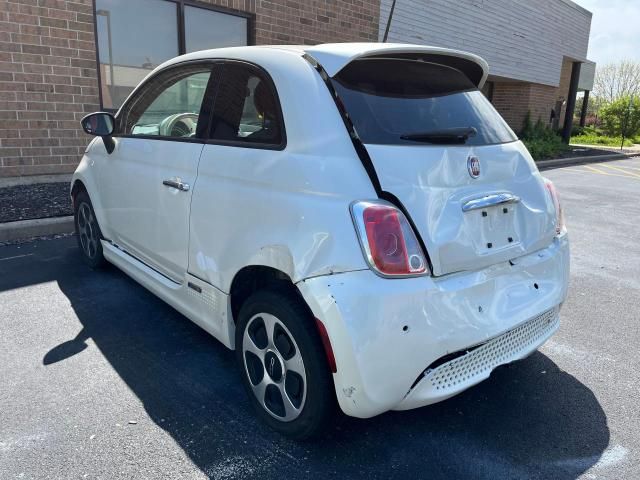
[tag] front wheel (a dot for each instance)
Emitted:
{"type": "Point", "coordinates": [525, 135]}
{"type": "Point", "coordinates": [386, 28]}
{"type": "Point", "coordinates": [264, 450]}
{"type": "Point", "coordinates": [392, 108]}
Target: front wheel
{"type": "Point", "coordinates": [283, 364]}
{"type": "Point", "coordinates": [88, 231]}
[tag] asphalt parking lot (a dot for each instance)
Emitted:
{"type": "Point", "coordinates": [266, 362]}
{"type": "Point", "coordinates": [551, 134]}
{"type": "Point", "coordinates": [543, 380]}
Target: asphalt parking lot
{"type": "Point", "coordinates": [99, 379]}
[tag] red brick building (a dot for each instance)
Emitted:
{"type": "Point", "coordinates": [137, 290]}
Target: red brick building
{"type": "Point", "coordinates": [51, 76]}
{"type": "Point", "coordinates": [60, 59]}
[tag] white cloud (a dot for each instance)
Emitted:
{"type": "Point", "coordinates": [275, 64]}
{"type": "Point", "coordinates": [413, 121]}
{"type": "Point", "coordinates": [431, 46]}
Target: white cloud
{"type": "Point", "coordinates": [615, 30]}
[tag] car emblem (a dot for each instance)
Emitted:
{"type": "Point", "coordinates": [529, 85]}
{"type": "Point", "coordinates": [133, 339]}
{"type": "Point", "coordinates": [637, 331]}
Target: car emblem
{"type": "Point", "coordinates": [473, 165]}
{"type": "Point", "coordinates": [272, 364]}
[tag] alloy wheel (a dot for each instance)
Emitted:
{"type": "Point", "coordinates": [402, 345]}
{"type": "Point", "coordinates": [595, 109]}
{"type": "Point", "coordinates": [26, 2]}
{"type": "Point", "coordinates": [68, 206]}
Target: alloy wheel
{"type": "Point", "coordinates": [87, 230]}
{"type": "Point", "coordinates": [274, 366]}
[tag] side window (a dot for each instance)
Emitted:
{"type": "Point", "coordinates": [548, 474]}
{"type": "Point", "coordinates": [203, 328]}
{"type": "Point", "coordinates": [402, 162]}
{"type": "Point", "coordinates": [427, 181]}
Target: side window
{"type": "Point", "coordinates": [246, 108]}
{"type": "Point", "coordinates": [169, 105]}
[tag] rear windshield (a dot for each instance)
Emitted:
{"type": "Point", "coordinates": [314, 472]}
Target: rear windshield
{"type": "Point", "coordinates": [388, 99]}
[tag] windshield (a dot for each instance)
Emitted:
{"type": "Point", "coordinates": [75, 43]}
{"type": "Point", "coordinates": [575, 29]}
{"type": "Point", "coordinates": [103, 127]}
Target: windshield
{"type": "Point", "coordinates": [399, 101]}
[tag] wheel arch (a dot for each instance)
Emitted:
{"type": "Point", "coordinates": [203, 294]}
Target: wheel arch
{"type": "Point", "coordinates": [82, 181]}
{"type": "Point", "coordinates": [252, 278]}
{"type": "Point", "coordinates": [76, 187]}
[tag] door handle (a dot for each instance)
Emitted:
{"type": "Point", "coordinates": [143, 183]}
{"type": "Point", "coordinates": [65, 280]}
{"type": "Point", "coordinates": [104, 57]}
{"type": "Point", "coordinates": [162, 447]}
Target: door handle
{"type": "Point", "coordinates": [183, 187]}
{"type": "Point", "coordinates": [490, 201]}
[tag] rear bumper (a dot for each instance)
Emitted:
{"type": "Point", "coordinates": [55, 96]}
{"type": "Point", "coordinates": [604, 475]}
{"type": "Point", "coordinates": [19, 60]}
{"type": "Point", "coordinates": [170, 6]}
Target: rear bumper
{"type": "Point", "coordinates": [387, 333]}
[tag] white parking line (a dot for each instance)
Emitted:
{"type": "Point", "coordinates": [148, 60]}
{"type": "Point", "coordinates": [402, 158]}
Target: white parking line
{"type": "Point", "coordinates": [610, 457]}
{"type": "Point", "coordinates": [16, 256]}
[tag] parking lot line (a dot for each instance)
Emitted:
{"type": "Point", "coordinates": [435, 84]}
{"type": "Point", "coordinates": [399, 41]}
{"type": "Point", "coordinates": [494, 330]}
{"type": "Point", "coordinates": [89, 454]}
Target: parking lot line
{"type": "Point", "coordinates": [600, 172]}
{"type": "Point", "coordinates": [620, 170]}
{"type": "Point", "coordinates": [16, 256]}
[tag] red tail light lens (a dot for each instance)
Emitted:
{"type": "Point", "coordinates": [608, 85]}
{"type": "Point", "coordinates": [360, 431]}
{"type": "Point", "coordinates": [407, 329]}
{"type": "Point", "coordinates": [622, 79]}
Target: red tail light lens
{"type": "Point", "coordinates": [387, 239]}
{"type": "Point", "coordinates": [560, 225]}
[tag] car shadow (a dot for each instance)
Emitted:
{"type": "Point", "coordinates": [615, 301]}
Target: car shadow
{"type": "Point", "coordinates": [529, 420]}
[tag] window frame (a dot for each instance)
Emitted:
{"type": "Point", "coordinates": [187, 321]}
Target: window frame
{"type": "Point", "coordinates": [206, 107]}
{"type": "Point", "coordinates": [264, 75]}
{"type": "Point", "coordinates": [180, 18]}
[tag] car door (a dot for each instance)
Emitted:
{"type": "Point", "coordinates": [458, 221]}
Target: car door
{"type": "Point", "coordinates": [242, 169]}
{"type": "Point", "coordinates": [146, 183]}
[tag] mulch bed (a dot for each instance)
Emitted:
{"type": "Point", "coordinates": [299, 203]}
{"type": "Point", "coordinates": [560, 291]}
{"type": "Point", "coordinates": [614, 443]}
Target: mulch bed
{"type": "Point", "coordinates": [40, 200]}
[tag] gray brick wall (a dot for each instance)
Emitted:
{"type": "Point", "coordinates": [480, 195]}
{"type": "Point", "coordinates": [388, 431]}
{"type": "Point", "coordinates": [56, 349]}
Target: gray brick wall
{"type": "Point", "coordinates": [521, 39]}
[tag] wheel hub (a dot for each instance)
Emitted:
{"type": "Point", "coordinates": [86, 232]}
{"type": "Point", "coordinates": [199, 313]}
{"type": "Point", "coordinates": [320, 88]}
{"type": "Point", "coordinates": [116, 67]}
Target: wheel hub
{"type": "Point", "coordinates": [274, 367]}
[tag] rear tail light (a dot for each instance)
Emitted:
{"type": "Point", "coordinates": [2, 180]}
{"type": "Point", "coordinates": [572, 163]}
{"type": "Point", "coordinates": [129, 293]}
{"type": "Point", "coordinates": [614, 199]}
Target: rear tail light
{"type": "Point", "coordinates": [387, 239]}
{"type": "Point", "coordinates": [560, 225]}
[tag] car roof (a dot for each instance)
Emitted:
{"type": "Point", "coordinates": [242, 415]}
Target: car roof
{"type": "Point", "coordinates": [335, 56]}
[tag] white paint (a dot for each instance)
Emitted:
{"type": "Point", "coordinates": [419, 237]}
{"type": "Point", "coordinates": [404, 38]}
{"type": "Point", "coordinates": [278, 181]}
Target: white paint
{"type": "Point", "coordinates": [16, 256]}
{"type": "Point", "coordinates": [611, 457]}
{"type": "Point", "coordinates": [556, 348]}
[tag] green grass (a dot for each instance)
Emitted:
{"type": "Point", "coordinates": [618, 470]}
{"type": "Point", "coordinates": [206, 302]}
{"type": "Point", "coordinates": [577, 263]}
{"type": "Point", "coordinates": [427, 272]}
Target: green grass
{"type": "Point", "coordinates": [591, 139]}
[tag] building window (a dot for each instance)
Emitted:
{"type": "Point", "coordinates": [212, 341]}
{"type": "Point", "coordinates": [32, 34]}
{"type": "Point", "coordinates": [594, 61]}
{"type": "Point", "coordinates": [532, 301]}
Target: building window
{"type": "Point", "coordinates": [135, 36]}
{"type": "Point", "coordinates": [204, 28]}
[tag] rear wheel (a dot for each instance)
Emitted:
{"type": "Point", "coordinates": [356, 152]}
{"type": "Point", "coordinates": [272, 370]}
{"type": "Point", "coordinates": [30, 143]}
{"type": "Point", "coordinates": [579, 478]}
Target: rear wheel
{"type": "Point", "coordinates": [283, 365]}
{"type": "Point", "coordinates": [87, 231]}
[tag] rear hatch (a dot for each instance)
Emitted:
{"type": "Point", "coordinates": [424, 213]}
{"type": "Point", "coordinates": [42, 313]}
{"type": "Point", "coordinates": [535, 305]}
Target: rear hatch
{"type": "Point", "coordinates": [439, 147]}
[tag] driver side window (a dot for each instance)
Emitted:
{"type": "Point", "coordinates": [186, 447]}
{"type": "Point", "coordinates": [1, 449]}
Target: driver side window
{"type": "Point", "coordinates": [169, 105]}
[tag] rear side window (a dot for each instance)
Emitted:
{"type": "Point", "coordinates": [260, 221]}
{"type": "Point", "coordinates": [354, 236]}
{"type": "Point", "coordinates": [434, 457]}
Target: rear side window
{"type": "Point", "coordinates": [388, 99]}
{"type": "Point", "coordinates": [246, 110]}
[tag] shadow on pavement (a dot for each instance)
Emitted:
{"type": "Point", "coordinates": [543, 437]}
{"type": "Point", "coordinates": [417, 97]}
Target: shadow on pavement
{"type": "Point", "coordinates": [529, 420]}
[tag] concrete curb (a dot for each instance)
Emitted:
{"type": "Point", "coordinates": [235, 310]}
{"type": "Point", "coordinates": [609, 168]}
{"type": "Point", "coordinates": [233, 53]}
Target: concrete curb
{"type": "Point", "coordinates": [30, 180]}
{"type": "Point", "coordinates": [39, 227]}
{"type": "Point", "coordinates": [563, 162]}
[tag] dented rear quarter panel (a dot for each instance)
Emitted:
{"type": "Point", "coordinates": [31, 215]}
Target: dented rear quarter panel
{"type": "Point", "coordinates": [287, 209]}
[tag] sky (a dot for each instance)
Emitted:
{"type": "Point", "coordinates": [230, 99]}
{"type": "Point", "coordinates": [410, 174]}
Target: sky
{"type": "Point", "coordinates": [615, 30]}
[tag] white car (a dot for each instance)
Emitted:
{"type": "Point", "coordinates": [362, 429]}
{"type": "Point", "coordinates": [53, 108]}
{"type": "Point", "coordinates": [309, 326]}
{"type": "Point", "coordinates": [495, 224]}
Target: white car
{"type": "Point", "coordinates": [355, 220]}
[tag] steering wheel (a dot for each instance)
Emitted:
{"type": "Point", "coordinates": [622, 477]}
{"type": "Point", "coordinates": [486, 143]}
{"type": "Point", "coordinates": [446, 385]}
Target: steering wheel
{"type": "Point", "coordinates": [178, 125]}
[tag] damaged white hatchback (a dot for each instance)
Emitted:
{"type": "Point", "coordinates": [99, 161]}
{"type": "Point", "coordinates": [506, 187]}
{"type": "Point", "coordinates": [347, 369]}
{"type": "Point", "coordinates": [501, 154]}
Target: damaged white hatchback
{"type": "Point", "coordinates": [355, 220]}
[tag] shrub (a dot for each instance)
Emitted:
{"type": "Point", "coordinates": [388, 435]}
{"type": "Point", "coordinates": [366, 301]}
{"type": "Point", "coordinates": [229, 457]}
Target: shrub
{"type": "Point", "coordinates": [541, 141]}
{"type": "Point", "coordinates": [614, 117]}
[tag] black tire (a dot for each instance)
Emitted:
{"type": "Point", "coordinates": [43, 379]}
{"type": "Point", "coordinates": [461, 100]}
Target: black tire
{"type": "Point", "coordinates": [318, 403]}
{"type": "Point", "coordinates": [88, 231]}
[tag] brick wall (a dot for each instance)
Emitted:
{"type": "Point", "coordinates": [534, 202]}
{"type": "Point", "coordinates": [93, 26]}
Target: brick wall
{"type": "Point", "coordinates": [48, 71]}
{"type": "Point", "coordinates": [514, 99]}
{"type": "Point", "coordinates": [47, 83]}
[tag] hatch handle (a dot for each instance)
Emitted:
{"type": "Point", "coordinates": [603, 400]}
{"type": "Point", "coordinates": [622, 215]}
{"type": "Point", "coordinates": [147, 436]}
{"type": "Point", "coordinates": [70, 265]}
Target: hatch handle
{"type": "Point", "coordinates": [490, 201]}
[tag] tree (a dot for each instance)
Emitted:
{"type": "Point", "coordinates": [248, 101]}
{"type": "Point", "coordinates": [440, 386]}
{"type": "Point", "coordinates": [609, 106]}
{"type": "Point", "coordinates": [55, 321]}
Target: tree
{"type": "Point", "coordinates": [621, 115]}
{"type": "Point", "coordinates": [617, 80]}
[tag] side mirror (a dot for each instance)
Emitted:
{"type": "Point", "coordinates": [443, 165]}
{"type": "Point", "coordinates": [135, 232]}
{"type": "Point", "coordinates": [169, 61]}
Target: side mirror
{"type": "Point", "coordinates": [100, 124]}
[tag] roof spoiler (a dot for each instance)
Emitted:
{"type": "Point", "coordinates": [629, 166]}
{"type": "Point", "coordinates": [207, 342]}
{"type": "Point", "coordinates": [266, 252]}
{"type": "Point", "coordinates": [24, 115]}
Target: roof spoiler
{"type": "Point", "coordinates": [335, 56]}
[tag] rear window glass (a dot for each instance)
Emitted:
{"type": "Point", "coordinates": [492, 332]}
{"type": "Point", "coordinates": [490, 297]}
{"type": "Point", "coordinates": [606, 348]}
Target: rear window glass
{"type": "Point", "coordinates": [387, 99]}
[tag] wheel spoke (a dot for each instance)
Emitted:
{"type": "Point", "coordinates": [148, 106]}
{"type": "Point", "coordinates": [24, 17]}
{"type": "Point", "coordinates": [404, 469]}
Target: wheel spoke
{"type": "Point", "coordinates": [295, 364]}
{"type": "Point", "coordinates": [269, 325]}
{"type": "Point", "coordinates": [249, 346]}
{"type": "Point", "coordinates": [84, 241]}
{"type": "Point", "coordinates": [260, 389]}
{"type": "Point", "coordinates": [290, 411]}
{"type": "Point", "coordinates": [83, 213]}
